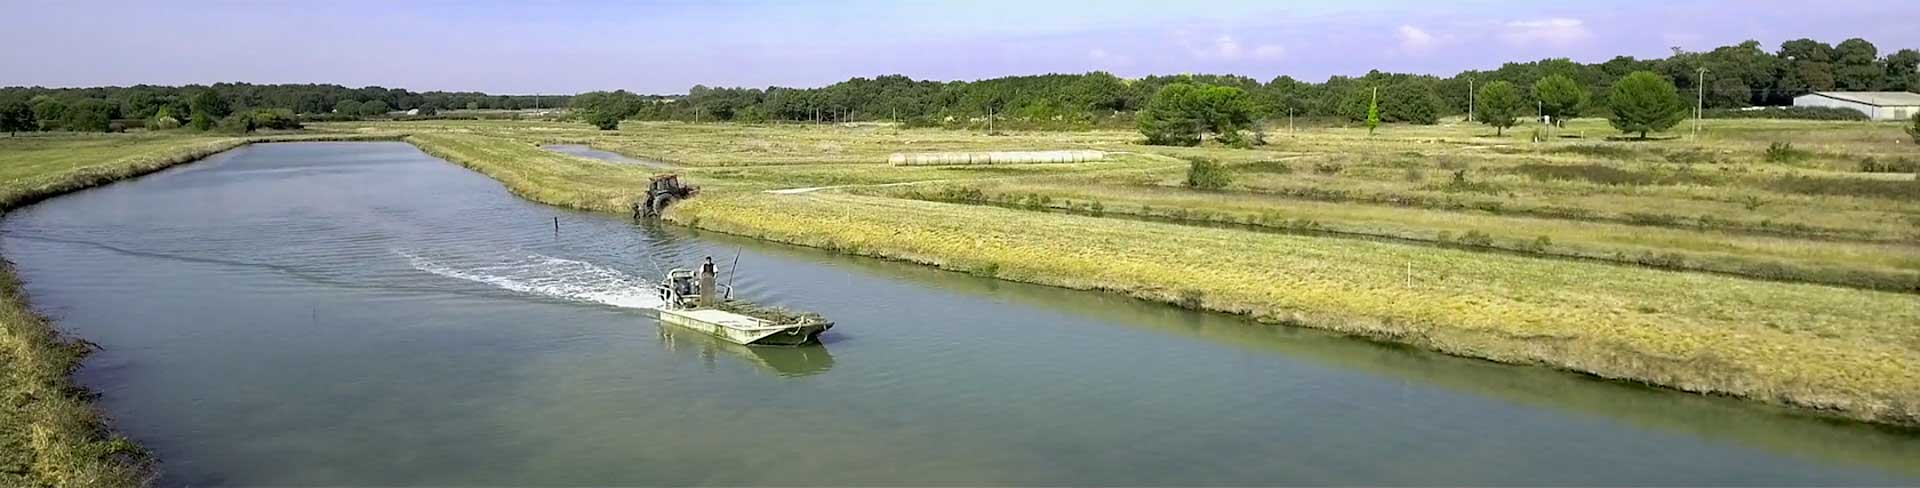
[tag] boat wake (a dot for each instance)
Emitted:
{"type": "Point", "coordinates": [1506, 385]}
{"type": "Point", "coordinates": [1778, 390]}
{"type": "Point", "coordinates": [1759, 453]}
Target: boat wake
{"type": "Point", "coordinates": [552, 277]}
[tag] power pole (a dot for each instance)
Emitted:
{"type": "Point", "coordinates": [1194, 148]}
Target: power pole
{"type": "Point", "coordinates": [1700, 100]}
{"type": "Point", "coordinates": [1470, 100]}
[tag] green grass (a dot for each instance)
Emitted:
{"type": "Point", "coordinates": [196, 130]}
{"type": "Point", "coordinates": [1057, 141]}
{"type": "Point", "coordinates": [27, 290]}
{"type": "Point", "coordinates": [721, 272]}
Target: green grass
{"type": "Point", "coordinates": [1331, 229]}
{"type": "Point", "coordinates": [1849, 352]}
{"type": "Point", "coordinates": [1877, 266]}
{"type": "Point", "coordinates": [1588, 306]}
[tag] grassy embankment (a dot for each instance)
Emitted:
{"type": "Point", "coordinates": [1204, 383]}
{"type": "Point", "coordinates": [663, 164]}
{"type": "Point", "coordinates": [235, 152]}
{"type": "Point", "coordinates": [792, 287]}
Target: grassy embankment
{"type": "Point", "coordinates": [1846, 351]}
{"type": "Point", "coordinates": [50, 434]}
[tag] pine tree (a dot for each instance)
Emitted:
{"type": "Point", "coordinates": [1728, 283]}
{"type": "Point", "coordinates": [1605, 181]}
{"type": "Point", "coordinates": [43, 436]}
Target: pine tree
{"type": "Point", "coordinates": [1645, 102]}
{"type": "Point", "coordinates": [1499, 106]}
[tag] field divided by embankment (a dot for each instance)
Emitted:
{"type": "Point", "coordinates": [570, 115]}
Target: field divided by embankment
{"type": "Point", "coordinates": [1700, 265]}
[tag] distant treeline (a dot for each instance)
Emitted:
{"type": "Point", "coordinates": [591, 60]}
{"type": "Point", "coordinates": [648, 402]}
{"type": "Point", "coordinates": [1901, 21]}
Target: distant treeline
{"type": "Point", "coordinates": [1737, 76]}
{"type": "Point", "coordinates": [147, 102]}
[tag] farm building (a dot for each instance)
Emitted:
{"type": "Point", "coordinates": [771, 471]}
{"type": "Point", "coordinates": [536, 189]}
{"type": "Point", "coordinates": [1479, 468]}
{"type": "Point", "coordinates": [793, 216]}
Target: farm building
{"type": "Point", "coordinates": [1877, 105]}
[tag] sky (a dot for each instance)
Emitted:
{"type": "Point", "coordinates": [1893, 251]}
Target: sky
{"type": "Point", "coordinates": [667, 47]}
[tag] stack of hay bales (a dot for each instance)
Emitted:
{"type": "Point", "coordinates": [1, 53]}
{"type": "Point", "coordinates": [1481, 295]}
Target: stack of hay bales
{"type": "Point", "coordinates": [994, 157]}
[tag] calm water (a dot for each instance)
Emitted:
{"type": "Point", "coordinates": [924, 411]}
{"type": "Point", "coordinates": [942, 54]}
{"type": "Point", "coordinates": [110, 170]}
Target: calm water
{"type": "Point", "coordinates": [363, 314]}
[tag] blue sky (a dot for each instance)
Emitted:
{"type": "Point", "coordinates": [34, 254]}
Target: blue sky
{"type": "Point", "coordinates": [666, 47]}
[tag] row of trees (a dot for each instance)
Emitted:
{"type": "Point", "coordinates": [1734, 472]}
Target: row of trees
{"type": "Point", "coordinates": [1183, 114]}
{"type": "Point", "coordinates": [97, 108]}
{"type": "Point", "coordinates": [1736, 76]}
{"type": "Point", "coordinates": [1641, 102]}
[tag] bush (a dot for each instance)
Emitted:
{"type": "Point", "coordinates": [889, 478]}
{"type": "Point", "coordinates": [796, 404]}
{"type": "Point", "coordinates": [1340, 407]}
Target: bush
{"type": "Point", "coordinates": [1609, 152]}
{"type": "Point", "coordinates": [1272, 167]}
{"type": "Point", "coordinates": [1914, 131]}
{"type": "Point", "coordinates": [163, 123]}
{"type": "Point", "coordinates": [1783, 152]}
{"type": "Point", "coordinates": [275, 119]}
{"type": "Point", "coordinates": [1608, 175]}
{"type": "Point", "coordinates": [1795, 113]}
{"type": "Point", "coordinates": [1907, 190]}
{"type": "Point", "coordinates": [1896, 165]}
{"type": "Point", "coordinates": [239, 123]}
{"type": "Point", "coordinates": [1207, 174]}
{"type": "Point", "coordinates": [1328, 168]}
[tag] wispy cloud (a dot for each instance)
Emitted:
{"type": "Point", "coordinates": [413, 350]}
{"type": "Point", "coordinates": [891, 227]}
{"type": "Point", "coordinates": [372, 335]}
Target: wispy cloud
{"type": "Point", "coordinates": [1414, 40]}
{"type": "Point", "coordinates": [1225, 47]}
{"type": "Point", "coordinates": [1557, 31]}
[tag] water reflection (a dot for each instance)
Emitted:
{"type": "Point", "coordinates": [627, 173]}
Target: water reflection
{"type": "Point", "coordinates": [779, 361]}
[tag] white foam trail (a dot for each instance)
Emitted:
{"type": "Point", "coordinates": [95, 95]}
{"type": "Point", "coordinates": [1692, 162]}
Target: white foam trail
{"type": "Point", "coordinates": [554, 277]}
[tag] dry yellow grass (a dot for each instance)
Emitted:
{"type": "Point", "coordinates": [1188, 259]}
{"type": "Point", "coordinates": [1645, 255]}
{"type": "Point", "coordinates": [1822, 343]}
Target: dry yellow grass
{"type": "Point", "coordinates": [1854, 353]}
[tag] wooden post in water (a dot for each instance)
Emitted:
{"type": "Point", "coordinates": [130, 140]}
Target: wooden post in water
{"type": "Point", "coordinates": [556, 227]}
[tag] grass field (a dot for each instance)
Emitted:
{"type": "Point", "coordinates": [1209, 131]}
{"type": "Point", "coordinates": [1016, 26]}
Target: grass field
{"type": "Point", "coordinates": [1707, 265]}
{"type": "Point", "coordinates": [1700, 265]}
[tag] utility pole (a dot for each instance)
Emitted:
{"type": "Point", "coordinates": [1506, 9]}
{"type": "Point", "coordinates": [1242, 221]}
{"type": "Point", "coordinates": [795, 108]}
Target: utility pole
{"type": "Point", "coordinates": [1470, 100]}
{"type": "Point", "coordinates": [1290, 129]}
{"type": "Point", "coordinates": [1700, 100]}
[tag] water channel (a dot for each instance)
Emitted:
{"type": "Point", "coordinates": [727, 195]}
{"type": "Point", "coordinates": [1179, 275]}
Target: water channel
{"type": "Point", "coordinates": [365, 314]}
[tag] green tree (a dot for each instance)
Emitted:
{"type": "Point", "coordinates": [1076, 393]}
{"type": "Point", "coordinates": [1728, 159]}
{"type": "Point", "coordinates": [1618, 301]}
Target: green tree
{"type": "Point", "coordinates": [374, 108]}
{"type": "Point", "coordinates": [1412, 102]}
{"type": "Point", "coordinates": [1857, 65]}
{"type": "Point", "coordinates": [605, 110]}
{"type": "Point", "coordinates": [90, 115]}
{"type": "Point", "coordinates": [1373, 112]}
{"type": "Point", "coordinates": [347, 107]}
{"type": "Point", "coordinates": [16, 116]}
{"type": "Point", "coordinates": [1182, 114]}
{"type": "Point", "coordinates": [1645, 102]}
{"type": "Point", "coordinates": [1560, 97]}
{"type": "Point", "coordinates": [207, 108]}
{"type": "Point", "coordinates": [1500, 106]}
{"type": "Point", "coordinates": [48, 112]}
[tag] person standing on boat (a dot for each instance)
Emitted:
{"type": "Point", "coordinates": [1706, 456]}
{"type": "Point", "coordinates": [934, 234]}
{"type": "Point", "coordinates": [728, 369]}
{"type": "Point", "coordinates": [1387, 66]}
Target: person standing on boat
{"type": "Point", "coordinates": [707, 274]}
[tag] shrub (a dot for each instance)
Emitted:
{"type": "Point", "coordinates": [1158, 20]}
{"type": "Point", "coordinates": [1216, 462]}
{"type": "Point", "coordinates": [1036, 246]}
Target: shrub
{"type": "Point", "coordinates": [1598, 151]}
{"type": "Point", "coordinates": [276, 119]}
{"type": "Point", "coordinates": [1207, 174]}
{"type": "Point", "coordinates": [1853, 187]}
{"type": "Point", "coordinates": [1273, 167]}
{"type": "Point", "coordinates": [1608, 175]}
{"type": "Point", "coordinates": [1693, 156]}
{"type": "Point", "coordinates": [1914, 131]}
{"type": "Point", "coordinates": [1328, 168]}
{"type": "Point", "coordinates": [239, 123]}
{"type": "Point", "coordinates": [163, 123]}
{"type": "Point", "coordinates": [1895, 165]}
{"type": "Point", "coordinates": [1797, 113]}
{"type": "Point", "coordinates": [1784, 152]}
